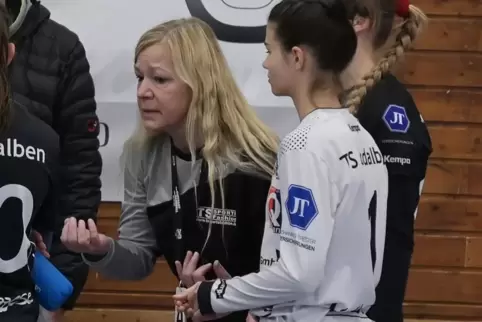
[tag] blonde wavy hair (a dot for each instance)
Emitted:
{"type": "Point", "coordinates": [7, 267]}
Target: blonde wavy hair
{"type": "Point", "coordinates": [232, 133]}
{"type": "Point", "coordinates": [404, 35]}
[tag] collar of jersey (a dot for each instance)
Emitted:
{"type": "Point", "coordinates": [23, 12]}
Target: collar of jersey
{"type": "Point", "coordinates": [325, 110]}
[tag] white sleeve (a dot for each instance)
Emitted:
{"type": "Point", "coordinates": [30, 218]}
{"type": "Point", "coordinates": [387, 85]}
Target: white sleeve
{"type": "Point", "coordinates": [306, 230]}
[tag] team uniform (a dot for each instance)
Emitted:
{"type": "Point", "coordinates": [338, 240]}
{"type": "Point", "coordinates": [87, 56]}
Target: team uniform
{"type": "Point", "coordinates": [28, 180]}
{"type": "Point", "coordinates": [325, 229]}
{"type": "Point", "coordinates": [390, 115]}
{"type": "Point", "coordinates": [152, 225]}
{"type": "Point", "coordinates": [50, 77]}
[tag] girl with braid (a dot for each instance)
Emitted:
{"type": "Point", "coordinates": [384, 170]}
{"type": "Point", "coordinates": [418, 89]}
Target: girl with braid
{"type": "Point", "coordinates": [385, 31]}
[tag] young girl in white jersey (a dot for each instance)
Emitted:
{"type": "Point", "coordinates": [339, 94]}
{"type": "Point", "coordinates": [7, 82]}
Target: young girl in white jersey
{"type": "Point", "coordinates": [326, 210]}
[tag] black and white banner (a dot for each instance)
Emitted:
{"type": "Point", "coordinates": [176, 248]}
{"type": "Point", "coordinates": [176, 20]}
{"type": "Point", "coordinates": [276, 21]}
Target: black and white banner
{"type": "Point", "coordinates": [110, 29]}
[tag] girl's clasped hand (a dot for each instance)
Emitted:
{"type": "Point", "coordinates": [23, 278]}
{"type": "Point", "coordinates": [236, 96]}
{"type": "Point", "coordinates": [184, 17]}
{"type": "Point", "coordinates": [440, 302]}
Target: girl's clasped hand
{"type": "Point", "coordinates": [191, 276]}
{"type": "Point", "coordinates": [186, 302]}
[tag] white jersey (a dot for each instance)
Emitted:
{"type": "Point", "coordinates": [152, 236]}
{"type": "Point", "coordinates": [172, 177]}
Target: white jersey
{"type": "Point", "coordinates": [324, 238]}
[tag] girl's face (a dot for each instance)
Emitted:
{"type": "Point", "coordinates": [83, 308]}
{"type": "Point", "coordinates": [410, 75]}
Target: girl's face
{"type": "Point", "coordinates": [278, 63]}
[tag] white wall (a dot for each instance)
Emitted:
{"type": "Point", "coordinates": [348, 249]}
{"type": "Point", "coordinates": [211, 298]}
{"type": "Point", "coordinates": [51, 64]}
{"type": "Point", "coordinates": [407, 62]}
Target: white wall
{"type": "Point", "coordinates": [110, 29]}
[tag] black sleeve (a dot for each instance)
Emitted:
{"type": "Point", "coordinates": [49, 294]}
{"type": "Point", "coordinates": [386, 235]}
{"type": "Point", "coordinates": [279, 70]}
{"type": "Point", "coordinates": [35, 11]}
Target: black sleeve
{"type": "Point", "coordinates": [399, 130]}
{"type": "Point", "coordinates": [76, 122]}
{"type": "Point", "coordinates": [404, 141]}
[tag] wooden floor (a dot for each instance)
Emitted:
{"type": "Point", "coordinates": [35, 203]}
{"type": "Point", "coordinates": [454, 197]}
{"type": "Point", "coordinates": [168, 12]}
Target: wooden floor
{"type": "Point", "coordinates": [116, 315]}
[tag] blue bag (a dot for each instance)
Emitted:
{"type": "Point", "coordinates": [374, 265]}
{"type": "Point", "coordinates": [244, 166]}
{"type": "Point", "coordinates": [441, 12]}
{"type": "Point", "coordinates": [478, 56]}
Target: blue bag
{"type": "Point", "coordinates": [52, 287]}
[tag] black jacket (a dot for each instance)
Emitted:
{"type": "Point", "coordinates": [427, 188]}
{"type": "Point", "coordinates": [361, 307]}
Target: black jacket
{"type": "Point", "coordinates": [50, 76]}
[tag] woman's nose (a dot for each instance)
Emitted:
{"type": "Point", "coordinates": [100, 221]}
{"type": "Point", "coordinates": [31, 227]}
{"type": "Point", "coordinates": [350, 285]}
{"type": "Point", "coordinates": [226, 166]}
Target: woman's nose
{"type": "Point", "coordinates": [144, 90]}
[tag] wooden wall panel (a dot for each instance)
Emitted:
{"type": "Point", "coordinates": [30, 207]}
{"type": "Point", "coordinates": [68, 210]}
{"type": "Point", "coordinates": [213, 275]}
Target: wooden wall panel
{"type": "Point", "coordinates": [444, 74]}
{"type": "Point", "coordinates": [456, 141]}
{"type": "Point", "coordinates": [447, 286]}
{"type": "Point", "coordinates": [455, 214]}
{"type": "Point", "coordinates": [449, 104]}
{"type": "Point", "coordinates": [442, 69]}
{"type": "Point", "coordinates": [123, 315]}
{"type": "Point", "coordinates": [111, 315]}
{"type": "Point", "coordinates": [160, 281]}
{"type": "Point", "coordinates": [439, 250]}
{"type": "Point", "coordinates": [454, 34]}
{"type": "Point", "coordinates": [454, 8]}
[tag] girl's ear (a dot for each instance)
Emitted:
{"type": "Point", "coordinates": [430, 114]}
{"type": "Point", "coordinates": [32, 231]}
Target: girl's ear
{"type": "Point", "coordinates": [11, 53]}
{"type": "Point", "coordinates": [360, 24]}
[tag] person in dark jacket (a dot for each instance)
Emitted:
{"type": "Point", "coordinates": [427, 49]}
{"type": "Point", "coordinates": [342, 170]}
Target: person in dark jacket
{"type": "Point", "coordinates": [50, 76]}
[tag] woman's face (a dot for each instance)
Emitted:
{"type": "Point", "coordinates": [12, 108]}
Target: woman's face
{"type": "Point", "coordinates": [162, 97]}
{"type": "Point", "coordinates": [277, 62]}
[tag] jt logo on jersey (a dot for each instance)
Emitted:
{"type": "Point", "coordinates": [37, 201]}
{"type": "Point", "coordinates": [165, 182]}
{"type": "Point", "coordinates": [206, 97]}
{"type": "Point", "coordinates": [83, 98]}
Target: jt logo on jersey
{"type": "Point", "coordinates": [301, 206]}
{"type": "Point", "coordinates": [396, 119]}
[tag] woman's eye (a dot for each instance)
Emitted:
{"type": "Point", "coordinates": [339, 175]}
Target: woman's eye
{"type": "Point", "coordinates": [160, 80]}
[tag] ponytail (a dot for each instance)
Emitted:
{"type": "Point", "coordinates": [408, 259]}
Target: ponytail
{"type": "Point", "coordinates": [409, 31]}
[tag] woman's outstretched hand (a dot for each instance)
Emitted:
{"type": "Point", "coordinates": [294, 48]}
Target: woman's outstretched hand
{"type": "Point", "coordinates": [81, 237]}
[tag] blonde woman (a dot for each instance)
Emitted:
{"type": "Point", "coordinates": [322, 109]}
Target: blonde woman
{"type": "Point", "coordinates": [386, 109]}
{"type": "Point", "coordinates": [197, 171]}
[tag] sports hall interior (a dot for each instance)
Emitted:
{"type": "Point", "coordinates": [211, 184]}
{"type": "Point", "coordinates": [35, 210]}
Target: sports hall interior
{"type": "Point", "coordinates": [444, 74]}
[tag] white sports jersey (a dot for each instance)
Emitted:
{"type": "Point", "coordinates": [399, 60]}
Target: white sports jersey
{"type": "Point", "coordinates": [325, 228]}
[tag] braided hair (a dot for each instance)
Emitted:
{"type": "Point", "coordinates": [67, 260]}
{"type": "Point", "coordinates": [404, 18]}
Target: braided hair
{"type": "Point", "coordinates": [413, 23]}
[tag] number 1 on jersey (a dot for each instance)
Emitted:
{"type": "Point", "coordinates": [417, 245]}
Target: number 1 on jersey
{"type": "Point", "coordinates": [372, 216]}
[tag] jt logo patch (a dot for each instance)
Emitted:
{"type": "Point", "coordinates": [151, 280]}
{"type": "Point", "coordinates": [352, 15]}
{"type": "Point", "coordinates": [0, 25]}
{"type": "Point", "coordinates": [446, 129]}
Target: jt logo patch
{"type": "Point", "coordinates": [301, 206]}
{"type": "Point", "coordinates": [396, 119]}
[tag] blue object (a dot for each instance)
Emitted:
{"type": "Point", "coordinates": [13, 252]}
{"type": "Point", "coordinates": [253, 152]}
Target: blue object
{"type": "Point", "coordinates": [301, 206]}
{"type": "Point", "coordinates": [396, 119]}
{"type": "Point", "coordinates": [52, 287]}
